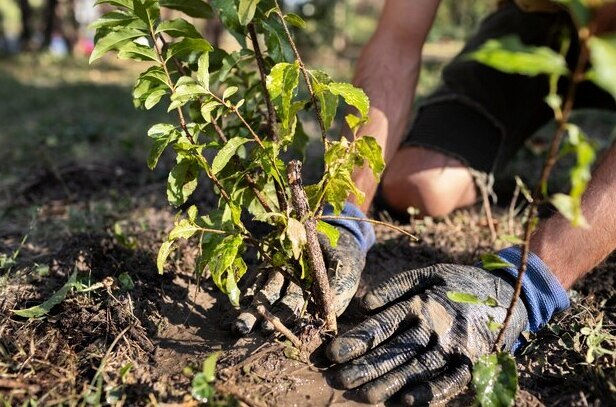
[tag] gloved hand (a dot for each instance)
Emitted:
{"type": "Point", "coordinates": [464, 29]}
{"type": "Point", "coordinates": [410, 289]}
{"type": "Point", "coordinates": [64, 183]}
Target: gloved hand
{"type": "Point", "coordinates": [425, 343]}
{"type": "Point", "coordinates": [344, 263]}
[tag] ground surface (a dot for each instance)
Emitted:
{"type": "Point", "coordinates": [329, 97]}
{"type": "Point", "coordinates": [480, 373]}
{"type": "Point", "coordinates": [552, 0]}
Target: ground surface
{"type": "Point", "coordinates": [76, 197]}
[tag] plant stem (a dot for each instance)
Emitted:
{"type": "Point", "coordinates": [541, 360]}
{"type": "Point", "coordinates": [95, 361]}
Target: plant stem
{"type": "Point", "coordinates": [271, 113]}
{"type": "Point", "coordinates": [304, 72]}
{"type": "Point", "coordinates": [279, 326]}
{"type": "Point", "coordinates": [374, 222]}
{"type": "Point", "coordinates": [320, 289]}
{"type": "Point", "coordinates": [562, 120]}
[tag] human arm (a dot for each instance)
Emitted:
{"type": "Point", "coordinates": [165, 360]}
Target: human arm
{"type": "Point", "coordinates": [388, 70]}
{"type": "Point", "coordinates": [572, 252]}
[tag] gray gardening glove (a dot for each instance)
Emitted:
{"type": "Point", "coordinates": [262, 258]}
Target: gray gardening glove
{"type": "Point", "coordinates": [428, 341]}
{"type": "Point", "coordinates": [344, 263]}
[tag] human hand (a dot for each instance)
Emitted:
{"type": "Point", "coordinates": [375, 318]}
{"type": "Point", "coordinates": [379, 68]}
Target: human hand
{"type": "Point", "coordinates": [345, 263]}
{"type": "Point", "coordinates": [423, 343]}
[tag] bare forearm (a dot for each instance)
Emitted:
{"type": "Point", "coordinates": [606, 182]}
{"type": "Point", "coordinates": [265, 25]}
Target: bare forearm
{"type": "Point", "coordinates": [388, 70]}
{"type": "Point", "coordinates": [572, 252]}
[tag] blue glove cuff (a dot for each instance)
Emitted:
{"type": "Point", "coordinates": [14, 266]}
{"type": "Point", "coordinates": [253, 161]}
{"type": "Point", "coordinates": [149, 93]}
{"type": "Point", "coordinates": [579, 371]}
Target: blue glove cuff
{"type": "Point", "coordinates": [362, 231]}
{"type": "Point", "coordinates": [542, 293]}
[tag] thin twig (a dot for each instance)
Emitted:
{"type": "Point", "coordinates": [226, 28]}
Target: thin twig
{"type": "Point", "coordinates": [562, 119]}
{"type": "Point", "coordinates": [483, 183]}
{"type": "Point", "coordinates": [279, 326]}
{"type": "Point", "coordinates": [271, 113]}
{"type": "Point", "coordinates": [304, 72]}
{"type": "Point", "coordinates": [511, 213]}
{"type": "Point", "coordinates": [375, 222]}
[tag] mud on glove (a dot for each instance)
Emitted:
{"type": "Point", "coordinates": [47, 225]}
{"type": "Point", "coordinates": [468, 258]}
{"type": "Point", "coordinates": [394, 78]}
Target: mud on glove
{"type": "Point", "coordinates": [423, 342]}
{"type": "Point", "coordinates": [344, 263]}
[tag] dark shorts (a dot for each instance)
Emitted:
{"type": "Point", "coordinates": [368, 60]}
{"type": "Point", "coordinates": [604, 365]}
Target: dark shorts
{"type": "Point", "coordinates": [483, 116]}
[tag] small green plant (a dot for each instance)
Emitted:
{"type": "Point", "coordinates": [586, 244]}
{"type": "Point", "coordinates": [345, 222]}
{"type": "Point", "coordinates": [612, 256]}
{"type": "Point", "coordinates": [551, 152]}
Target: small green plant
{"type": "Point", "coordinates": [494, 375]}
{"type": "Point", "coordinates": [236, 119]}
{"type": "Point", "coordinates": [203, 382]}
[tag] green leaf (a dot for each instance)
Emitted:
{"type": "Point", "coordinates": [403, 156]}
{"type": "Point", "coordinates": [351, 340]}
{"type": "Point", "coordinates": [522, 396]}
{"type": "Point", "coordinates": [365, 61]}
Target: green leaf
{"type": "Point", "coordinates": [370, 151]}
{"type": "Point", "coordinates": [183, 230]}
{"type": "Point", "coordinates": [226, 152]}
{"type": "Point", "coordinates": [116, 18]}
{"type": "Point", "coordinates": [137, 52]}
{"type": "Point", "coordinates": [603, 58]}
{"type": "Point", "coordinates": [163, 254]}
{"type": "Point", "coordinates": [154, 98]}
{"type": "Point", "coordinates": [570, 208]}
{"type": "Point", "coordinates": [328, 102]}
{"type": "Point", "coordinates": [493, 325]}
{"type": "Point", "coordinates": [188, 46]}
{"type": "Point", "coordinates": [178, 28]}
{"type": "Point", "coordinates": [246, 11]}
{"type": "Point", "coordinates": [163, 134]}
{"type": "Point", "coordinates": [193, 8]}
{"type": "Point", "coordinates": [282, 83]}
{"type": "Point", "coordinates": [491, 261]}
{"type": "Point", "coordinates": [207, 109]}
{"type": "Point", "coordinates": [148, 11]}
{"type": "Point", "coordinates": [295, 20]}
{"type": "Point", "coordinates": [463, 298]}
{"type": "Point", "coordinates": [330, 231]}
{"type": "Point", "coordinates": [128, 4]}
{"type": "Point", "coordinates": [201, 389]}
{"type": "Point", "coordinates": [55, 299]}
{"type": "Point", "coordinates": [352, 96]}
{"type": "Point", "coordinates": [182, 181]}
{"type": "Point", "coordinates": [296, 232]}
{"type": "Point", "coordinates": [221, 259]}
{"type": "Point", "coordinates": [209, 367]}
{"type": "Point", "coordinates": [508, 54]}
{"type": "Point", "coordinates": [112, 41]}
{"type": "Point", "coordinates": [126, 281]}
{"type": "Point", "coordinates": [495, 380]}
{"type": "Point", "coordinates": [203, 73]}
{"type": "Point", "coordinates": [230, 91]}
{"type": "Point", "coordinates": [229, 17]}
{"type": "Point", "coordinates": [579, 9]}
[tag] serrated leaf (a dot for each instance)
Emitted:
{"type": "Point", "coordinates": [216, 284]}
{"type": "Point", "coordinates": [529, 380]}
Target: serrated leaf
{"type": "Point", "coordinates": [508, 54]}
{"type": "Point", "coordinates": [371, 152]}
{"type": "Point", "coordinates": [246, 11]}
{"type": "Point", "coordinates": [193, 8]}
{"type": "Point", "coordinates": [178, 28]}
{"type": "Point", "coordinates": [226, 152]}
{"type": "Point", "coordinates": [352, 96]}
{"type": "Point", "coordinates": [295, 20]}
{"type": "Point", "coordinates": [112, 41]}
{"type": "Point", "coordinates": [495, 379]}
{"type": "Point", "coordinates": [491, 261]}
{"type": "Point", "coordinates": [163, 254]}
{"type": "Point", "coordinates": [331, 232]}
{"type": "Point", "coordinates": [230, 91]}
{"type": "Point", "coordinates": [328, 102]}
{"type": "Point", "coordinates": [296, 232]}
{"type": "Point", "coordinates": [603, 58]}
{"type": "Point", "coordinates": [55, 299]}
{"type": "Point", "coordinates": [182, 181]}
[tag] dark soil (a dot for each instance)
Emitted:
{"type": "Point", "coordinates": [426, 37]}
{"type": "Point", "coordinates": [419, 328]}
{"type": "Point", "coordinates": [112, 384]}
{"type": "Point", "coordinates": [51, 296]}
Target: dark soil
{"type": "Point", "coordinates": [140, 345]}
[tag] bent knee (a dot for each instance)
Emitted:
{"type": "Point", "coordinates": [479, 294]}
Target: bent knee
{"type": "Point", "coordinates": [433, 191]}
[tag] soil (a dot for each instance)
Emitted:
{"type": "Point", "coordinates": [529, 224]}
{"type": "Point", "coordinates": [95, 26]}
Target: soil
{"type": "Point", "coordinates": [142, 344]}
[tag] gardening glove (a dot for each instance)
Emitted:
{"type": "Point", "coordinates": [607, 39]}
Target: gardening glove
{"type": "Point", "coordinates": [423, 343]}
{"type": "Point", "coordinates": [344, 263]}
